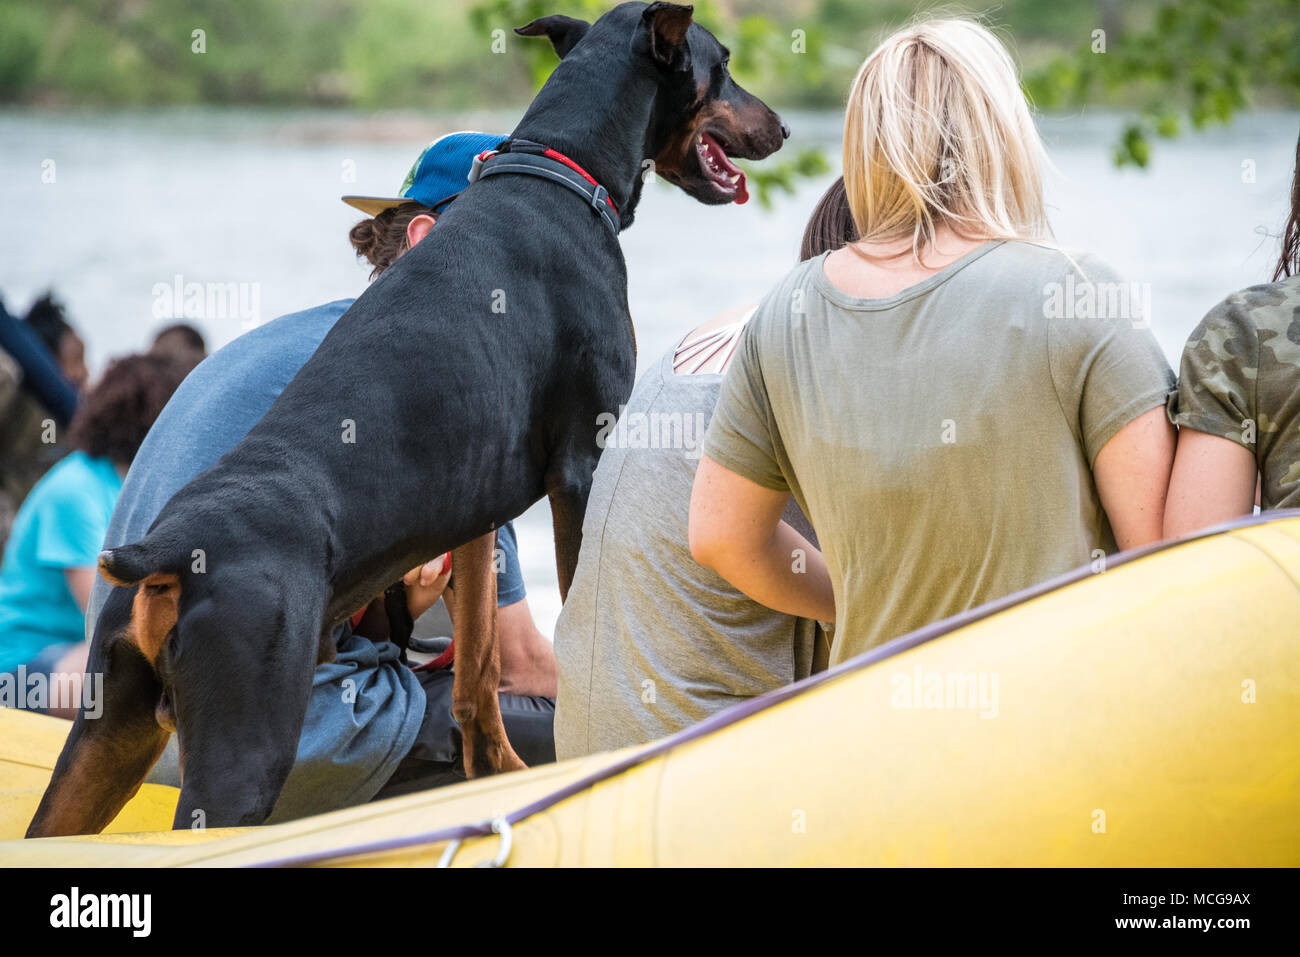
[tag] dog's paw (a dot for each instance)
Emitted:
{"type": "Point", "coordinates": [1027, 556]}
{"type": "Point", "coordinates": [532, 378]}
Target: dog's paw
{"type": "Point", "coordinates": [486, 755]}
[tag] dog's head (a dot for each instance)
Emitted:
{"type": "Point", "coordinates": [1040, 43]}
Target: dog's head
{"type": "Point", "coordinates": [701, 118]}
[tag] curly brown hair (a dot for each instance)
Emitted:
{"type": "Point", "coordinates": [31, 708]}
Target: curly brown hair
{"type": "Point", "coordinates": [381, 239]}
{"type": "Point", "coordinates": [119, 411]}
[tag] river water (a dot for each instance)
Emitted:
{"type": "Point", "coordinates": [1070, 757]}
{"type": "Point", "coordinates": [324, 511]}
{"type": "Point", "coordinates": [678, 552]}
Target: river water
{"type": "Point", "coordinates": [114, 210]}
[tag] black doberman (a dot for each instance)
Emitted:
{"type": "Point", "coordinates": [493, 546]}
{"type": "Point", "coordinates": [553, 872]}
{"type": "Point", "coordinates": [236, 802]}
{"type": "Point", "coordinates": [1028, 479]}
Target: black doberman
{"type": "Point", "coordinates": [463, 385]}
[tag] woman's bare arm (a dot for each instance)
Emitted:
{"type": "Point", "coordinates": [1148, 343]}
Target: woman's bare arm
{"type": "Point", "coordinates": [1214, 480]}
{"type": "Point", "coordinates": [736, 529]}
{"type": "Point", "coordinates": [80, 582]}
{"type": "Point", "coordinates": [1132, 474]}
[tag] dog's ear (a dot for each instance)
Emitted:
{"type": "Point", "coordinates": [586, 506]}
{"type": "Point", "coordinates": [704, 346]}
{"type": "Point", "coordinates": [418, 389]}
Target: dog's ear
{"type": "Point", "coordinates": [667, 24]}
{"type": "Point", "coordinates": [563, 32]}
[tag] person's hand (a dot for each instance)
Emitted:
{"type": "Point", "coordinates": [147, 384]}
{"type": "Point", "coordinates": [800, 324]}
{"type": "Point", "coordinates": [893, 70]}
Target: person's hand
{"type": "Point", "coordinates": [426, 583]}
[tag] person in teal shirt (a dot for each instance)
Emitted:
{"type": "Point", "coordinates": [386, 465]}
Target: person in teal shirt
{"type": "Point", "coordinates": [49, 560]}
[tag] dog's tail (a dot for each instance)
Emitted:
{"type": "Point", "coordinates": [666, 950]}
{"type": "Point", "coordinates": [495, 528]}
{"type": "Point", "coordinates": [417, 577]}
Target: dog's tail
{"type": "Point", "coordinates": [154, 567]}
{"type": "Point", "coordinates": [129, 565]}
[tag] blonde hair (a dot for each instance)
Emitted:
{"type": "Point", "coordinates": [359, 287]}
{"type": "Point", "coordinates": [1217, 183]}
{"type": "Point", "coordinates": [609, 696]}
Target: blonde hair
{"type": "Point", "coordinates": [938, 133]}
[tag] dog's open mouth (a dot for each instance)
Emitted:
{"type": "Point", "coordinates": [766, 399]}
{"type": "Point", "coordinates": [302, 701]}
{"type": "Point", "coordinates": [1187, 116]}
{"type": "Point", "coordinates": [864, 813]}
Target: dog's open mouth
{"type": "Point", "coordinates": [725, 176]}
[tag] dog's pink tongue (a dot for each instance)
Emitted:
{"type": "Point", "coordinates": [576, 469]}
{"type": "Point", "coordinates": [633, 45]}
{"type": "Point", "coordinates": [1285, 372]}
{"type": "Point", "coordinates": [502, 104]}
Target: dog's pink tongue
{"type": "Point", "coordinates": [742, 194]}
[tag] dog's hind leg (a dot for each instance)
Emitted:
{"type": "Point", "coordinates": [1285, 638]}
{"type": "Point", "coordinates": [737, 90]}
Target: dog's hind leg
{"type": "Point", "coordinates": [568, 498]}
{"type": "Point", "coordinates": [114, 741]}
{"type": "Point", "coordinates": [472, 602]}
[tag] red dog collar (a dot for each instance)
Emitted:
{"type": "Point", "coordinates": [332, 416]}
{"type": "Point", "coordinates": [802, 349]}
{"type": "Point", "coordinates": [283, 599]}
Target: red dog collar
{"type": "Point", "coordinates": [534, 159]}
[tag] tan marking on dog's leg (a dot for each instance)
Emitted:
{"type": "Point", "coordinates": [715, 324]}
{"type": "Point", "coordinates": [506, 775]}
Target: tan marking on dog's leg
{"type": "Point", "coordinates": [473, 607]}
{"type": "Point", "coordinates": [93, 782]}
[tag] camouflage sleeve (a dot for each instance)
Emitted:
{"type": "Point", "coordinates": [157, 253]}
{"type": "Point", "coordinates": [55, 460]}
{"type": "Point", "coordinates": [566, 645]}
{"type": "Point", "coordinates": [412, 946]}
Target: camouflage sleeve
{"type": "Point", "coordinates": [1217, 377]}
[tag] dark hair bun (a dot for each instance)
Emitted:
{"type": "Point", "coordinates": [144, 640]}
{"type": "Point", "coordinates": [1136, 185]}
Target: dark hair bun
{"type": "Point", "coordinates": [365, 237]}
{"type": "Point", "coordinates": [381, 240]}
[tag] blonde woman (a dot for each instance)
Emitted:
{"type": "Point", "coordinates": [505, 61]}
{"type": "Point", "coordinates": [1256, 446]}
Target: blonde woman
{"type": "Point", "coordinates": [960, 408]}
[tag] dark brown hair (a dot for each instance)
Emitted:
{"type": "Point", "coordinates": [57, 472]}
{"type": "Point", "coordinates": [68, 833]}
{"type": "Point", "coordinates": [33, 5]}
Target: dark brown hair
{"type": "Point", "coordinates": [381, 239]}
{"type": "Point", "coordinates": [119, 410]}
{"type": "Point", "coordinates": [48, 320]}
{"type": "Point", "coordinates": [831, 224]}
{"type": "Point", "coordinates": [181, 343]}
{"type": "Point", "coordinates": [1288, 264]}
{"type": "Point", "coordinates": [189, 337]}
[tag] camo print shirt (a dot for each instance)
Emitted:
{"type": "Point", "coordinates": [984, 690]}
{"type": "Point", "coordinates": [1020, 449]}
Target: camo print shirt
{"type": "Point", "coordinates": [1240, 379]}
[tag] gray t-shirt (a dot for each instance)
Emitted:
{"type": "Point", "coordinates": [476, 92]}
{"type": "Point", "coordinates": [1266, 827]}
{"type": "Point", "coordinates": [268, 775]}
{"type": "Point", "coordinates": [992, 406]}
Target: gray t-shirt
{"type": "Point", "coordinates": [649, 641]}
{"type": "Point", "coordinates": [942, 439]}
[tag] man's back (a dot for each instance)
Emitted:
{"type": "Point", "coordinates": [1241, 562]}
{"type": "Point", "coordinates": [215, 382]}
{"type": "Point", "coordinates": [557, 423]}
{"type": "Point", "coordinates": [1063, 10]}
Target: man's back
{"type": "Point", "coordinates": [351, 743]}
{"type": "Point", "coordinates": [225, 396]}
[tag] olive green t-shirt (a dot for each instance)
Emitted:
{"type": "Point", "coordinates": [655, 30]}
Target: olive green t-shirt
{"type": "Point", "coordinates": [1240, 380]}
{"type": "Point", "coordinates": [941, 440]}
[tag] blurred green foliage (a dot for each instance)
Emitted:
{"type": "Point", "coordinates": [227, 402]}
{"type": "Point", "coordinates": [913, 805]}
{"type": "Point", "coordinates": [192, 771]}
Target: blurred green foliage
{"type": "Point", "coordinates": [1176, 61]}
{"type": "Point", "coordinates": [431, 53]}
{"type": "Point", "coordinates": [1195, 60]}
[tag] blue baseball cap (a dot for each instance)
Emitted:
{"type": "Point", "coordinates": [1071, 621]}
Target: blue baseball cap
{"type": "Point", "coordinates": [439, 174]}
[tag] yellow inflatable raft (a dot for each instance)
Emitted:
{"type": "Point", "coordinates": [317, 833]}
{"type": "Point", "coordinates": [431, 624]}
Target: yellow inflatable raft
{"type": "Point", "coordinates": [1147, 714]}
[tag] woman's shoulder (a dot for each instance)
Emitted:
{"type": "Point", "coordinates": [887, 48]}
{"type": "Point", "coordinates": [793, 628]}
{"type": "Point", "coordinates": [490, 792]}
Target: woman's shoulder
{"type": "Point", "coordinates": [1081, 298]}
{"type": "Point", "coordinates": [725, 319]}
{"type": "Point", "coordinates": [788, 297]}
{"type": "Point", "coordinates": [1268, 307]}
{"type": "Point", "coordinates": [72, 469]}
{"type": "Point", "coordinates": [1054, 260]}
{"type": "Point", "coordinates": [1258, 321]}
{"type": "Point", "coordinates": [799, 276]}
{"type": "Point", "coordinates": [71, 477]}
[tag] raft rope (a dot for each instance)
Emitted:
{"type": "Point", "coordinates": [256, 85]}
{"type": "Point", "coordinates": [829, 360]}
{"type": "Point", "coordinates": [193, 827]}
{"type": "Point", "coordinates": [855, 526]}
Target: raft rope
{"type": "Point", "coordinates": [499, 826]}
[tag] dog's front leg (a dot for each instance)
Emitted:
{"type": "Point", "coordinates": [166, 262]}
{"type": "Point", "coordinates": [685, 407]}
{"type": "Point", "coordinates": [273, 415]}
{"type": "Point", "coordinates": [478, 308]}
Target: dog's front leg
{"type": "Point", "coordinates": [472, 602]}
{"type": "Point", "coordinates": [115, 739]}
{"type": "Point", "coordinates": [100, 769]}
